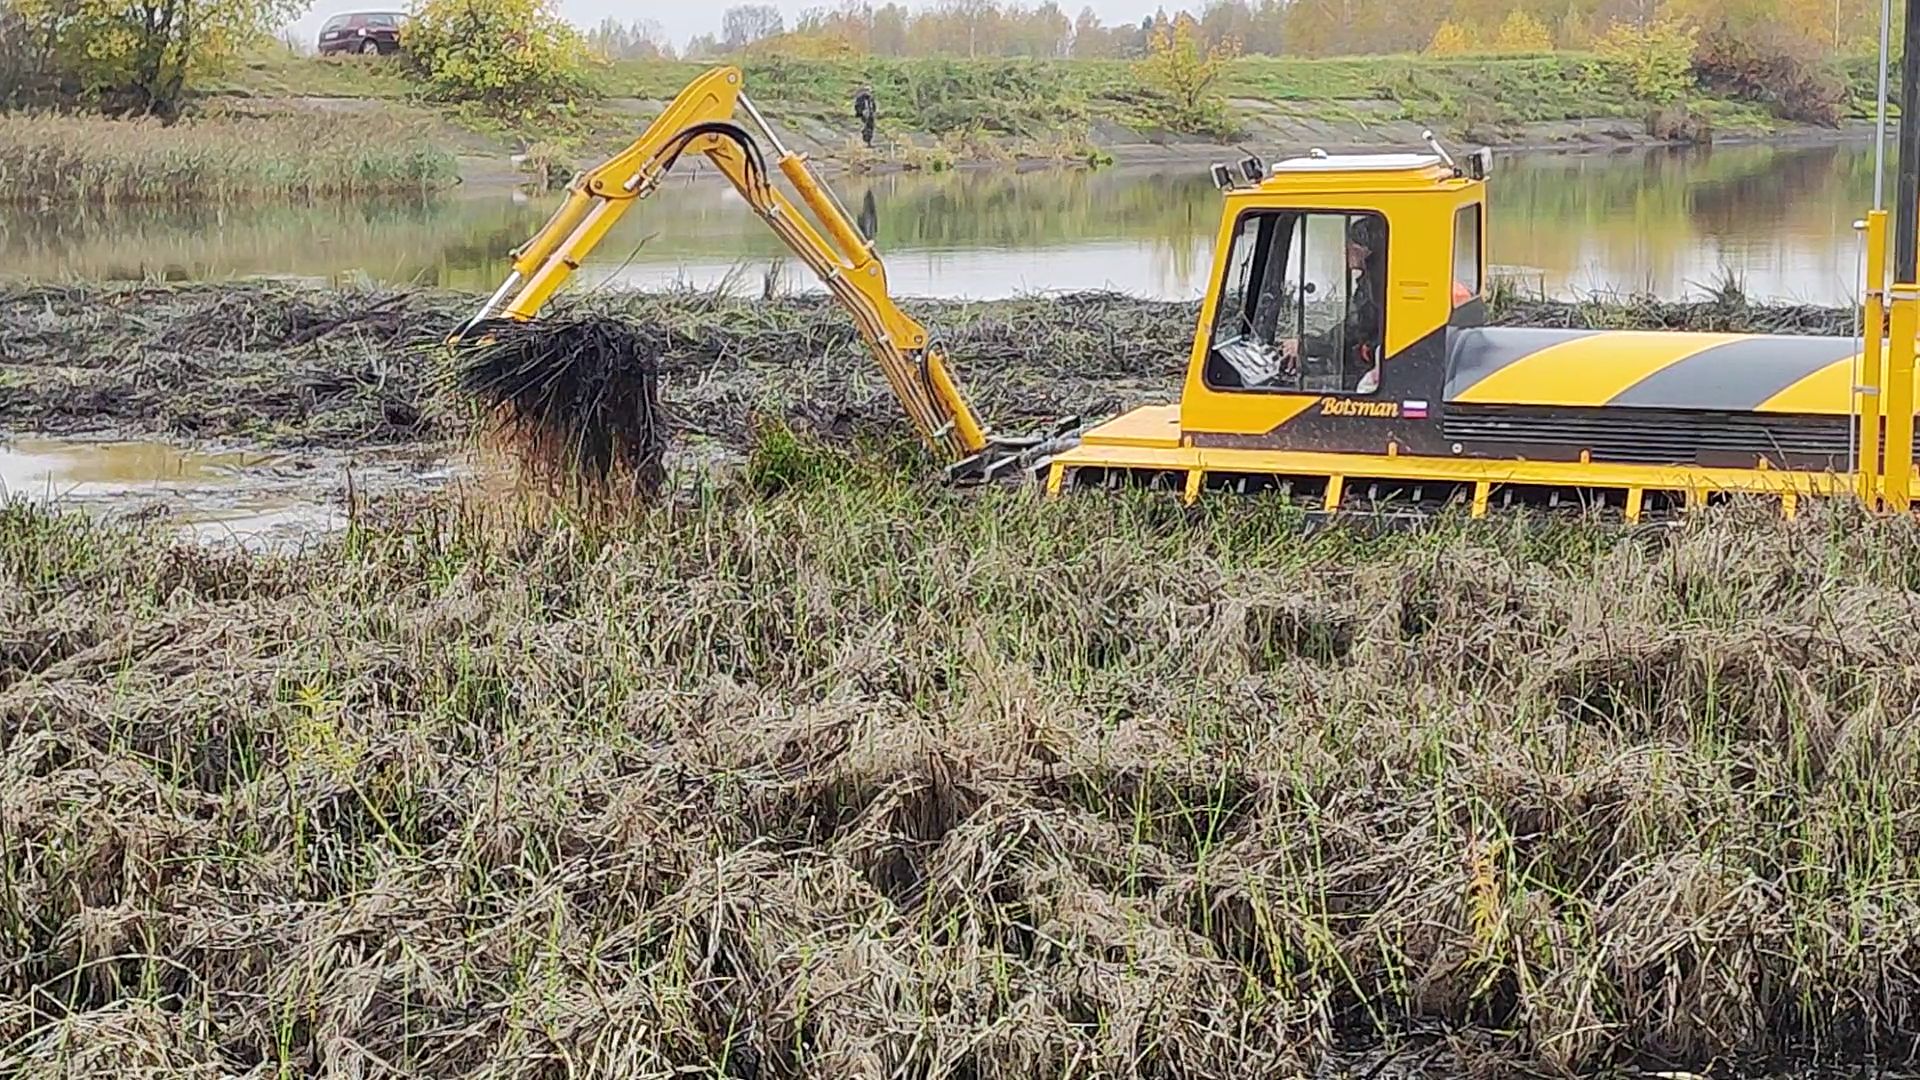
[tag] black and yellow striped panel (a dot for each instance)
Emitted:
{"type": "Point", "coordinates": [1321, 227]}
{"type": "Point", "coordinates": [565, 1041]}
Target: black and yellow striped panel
{"type": "Point", "coordinates": [1634, 369]}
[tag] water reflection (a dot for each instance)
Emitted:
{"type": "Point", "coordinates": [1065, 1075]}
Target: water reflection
{"type": "Point", "coordinates": [67, 468]}
{"type": "Point", "coordinates": [1670, 221]}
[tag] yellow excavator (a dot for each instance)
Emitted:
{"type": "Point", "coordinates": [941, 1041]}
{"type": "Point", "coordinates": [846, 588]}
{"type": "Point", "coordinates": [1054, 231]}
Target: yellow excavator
{"type": "Point", "coordinates": [1341, 355]}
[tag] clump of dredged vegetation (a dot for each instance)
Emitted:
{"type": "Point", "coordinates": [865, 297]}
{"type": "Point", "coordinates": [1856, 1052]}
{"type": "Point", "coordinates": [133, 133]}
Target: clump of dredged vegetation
{"type": "Point", "coordinates": [574, 399]}
{"type": "Point", "coordinates": [833, 774]}
{"type": "Point", "coordinates": [285, 364]}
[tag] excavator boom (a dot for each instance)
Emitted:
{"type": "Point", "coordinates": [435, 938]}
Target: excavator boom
{"type": "Point", "coordinates": [701, 120]}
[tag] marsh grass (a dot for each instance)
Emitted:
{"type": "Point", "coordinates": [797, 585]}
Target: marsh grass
{"type": "Point", "coordinates": [89, 159]}
{"type": "Point", "coordinates": [842, 775]}
{"type": "Point", "coordinates": [822, 770]}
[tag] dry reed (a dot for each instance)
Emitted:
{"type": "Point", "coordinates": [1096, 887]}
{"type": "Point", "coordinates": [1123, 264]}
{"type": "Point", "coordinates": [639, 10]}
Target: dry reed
{"type": "Point", "coordinates": [866, 779]}
{"type": "Point", "coordinates": [90, 160]}
{"type": "Point", "coordinates": [829, 773]}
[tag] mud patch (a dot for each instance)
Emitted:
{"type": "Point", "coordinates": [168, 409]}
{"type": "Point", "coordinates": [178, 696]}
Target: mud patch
{"type": "Point", "coordinates": [254, 498]}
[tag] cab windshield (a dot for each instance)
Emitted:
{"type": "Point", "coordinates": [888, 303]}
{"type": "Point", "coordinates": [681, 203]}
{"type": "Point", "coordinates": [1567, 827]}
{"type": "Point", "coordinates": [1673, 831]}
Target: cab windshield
{"type": "Point", "coordinates": [1300, 308]}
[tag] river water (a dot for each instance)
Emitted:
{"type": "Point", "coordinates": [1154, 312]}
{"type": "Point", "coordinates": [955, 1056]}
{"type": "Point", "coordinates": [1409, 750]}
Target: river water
{"type": "Point", "coordinates": [1779, 219]}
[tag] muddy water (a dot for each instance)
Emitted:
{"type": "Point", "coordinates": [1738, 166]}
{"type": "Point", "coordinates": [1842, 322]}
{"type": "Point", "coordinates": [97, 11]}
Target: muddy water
{"type": "Point", "coordinates": [255, 499]}
{"type": "Point", "coordinates": [1669, 221]}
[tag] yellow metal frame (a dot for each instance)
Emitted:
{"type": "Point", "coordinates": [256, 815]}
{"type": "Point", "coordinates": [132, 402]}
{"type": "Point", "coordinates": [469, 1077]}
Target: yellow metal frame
{"type": "Point", "coordinates": [1479, 476]}
{"type": "Point", "coordinates": [844, 261]}
{"type": "Point", "coordinates": [1897, 477]}
{"type": "Point", "coordinates": [1867, 398]}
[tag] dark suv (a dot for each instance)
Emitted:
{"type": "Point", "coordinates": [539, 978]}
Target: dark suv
{"type": "Point", "coordinates": [366, 32]}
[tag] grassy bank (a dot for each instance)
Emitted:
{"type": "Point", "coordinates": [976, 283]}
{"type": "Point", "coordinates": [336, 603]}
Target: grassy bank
{"type": "Point", "coordinates": [1028, 96]}
{"type": "Point", "coordinates": [88, 159]}
{"type": "Point", "coordinates": [290, 365]}
{"type": "Point", "coordinates": [988, 108]}
{"type": "Point", "coordinates": [846, 775]}
{"type": "Point", "coordinates": [1031, 96]}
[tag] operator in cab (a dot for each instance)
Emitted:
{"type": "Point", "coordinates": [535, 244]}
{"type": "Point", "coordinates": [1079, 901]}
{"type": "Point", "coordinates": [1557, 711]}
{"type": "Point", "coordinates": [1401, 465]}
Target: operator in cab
{"type": "Point", "coordinates": [1358, 335]}
{"type": "Point", "coordinates": [1295, 322]}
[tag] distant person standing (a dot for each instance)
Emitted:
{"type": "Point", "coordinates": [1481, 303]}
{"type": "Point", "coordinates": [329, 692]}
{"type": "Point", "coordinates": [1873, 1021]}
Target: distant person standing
{"type": "Point", "coordinates": [864, 111]}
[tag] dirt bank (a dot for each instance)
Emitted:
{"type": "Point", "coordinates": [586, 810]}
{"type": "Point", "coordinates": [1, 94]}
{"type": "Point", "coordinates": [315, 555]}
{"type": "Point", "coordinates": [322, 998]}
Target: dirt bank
{"type": "Point", "coordinates": [282, 365]}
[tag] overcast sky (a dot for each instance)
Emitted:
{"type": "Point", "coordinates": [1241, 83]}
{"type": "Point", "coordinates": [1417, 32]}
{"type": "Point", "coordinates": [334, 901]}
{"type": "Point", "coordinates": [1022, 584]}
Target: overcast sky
{"type": "Point", "coordinates": [682, 19]}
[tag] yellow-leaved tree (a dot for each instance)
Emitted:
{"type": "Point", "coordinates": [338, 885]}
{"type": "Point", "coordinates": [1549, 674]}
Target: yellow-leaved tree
{"type": "Point", "coordinates": [142, 56]}
{"type": "Point", "coordinates": [1184, 73]}
{"type": "Point", "coordinates": [1652, 62]}
{"type": "Point", "coordinates": [1520, 32]}
{"type": "Point", "coordinates": [1450, 39]}
{"type": "Point", "coordinates": [510, 57]}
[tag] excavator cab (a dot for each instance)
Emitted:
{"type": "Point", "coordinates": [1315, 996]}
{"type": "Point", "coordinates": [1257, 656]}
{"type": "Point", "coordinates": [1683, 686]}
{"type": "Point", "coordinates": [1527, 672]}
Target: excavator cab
{"type": "Point", "coordinates": [1325, 326]}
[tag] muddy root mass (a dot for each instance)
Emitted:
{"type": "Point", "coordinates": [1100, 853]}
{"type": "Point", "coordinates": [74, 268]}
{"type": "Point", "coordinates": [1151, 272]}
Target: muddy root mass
{"type": "Point", "coordinates": [574, 397]}
{"type": "Point", "coordinates": [870, 781]}
{"type": "Point", "coordinates": [288, 364]}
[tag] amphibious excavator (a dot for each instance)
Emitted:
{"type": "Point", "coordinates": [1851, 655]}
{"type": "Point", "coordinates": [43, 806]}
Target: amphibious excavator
{"type": "Point", "coordinates": [1341, 355]}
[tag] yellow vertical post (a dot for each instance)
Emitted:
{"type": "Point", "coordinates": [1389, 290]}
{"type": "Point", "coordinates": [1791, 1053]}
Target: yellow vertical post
{"type": "Point", "coordinates": [1899, 395]}
{"type": "Point", "coordinates": [1873, 319]}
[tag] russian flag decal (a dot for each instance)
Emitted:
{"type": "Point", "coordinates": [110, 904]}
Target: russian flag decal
{"type": "Point", "coordinates": [1413, 410]}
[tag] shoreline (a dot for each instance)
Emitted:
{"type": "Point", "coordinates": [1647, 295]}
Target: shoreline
{"type": "Point", "coordinates": [1274, 130]}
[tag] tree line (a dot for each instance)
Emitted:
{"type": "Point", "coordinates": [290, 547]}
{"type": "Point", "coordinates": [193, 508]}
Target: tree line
{"type": "Point", "coordinates": [986, 28]}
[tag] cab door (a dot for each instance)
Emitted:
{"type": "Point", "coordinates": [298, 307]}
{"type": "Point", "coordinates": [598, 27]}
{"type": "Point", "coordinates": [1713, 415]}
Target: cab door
{"type": "Point", "coordinates": [1299, 311]}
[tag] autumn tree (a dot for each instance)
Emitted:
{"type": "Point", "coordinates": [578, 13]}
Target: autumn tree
{"type": "Point", "coordinates": [1451, 39]}
{"type": "Point", "coordinates": [509, 57]}
{"type": "Point", "coordinates": [1653, 62]}
{"type": "Point", "coordinates": [1522, 33]}
{"type": "Point", "coordinates": [142, 56]}
{"type": "Point", "coordinates": [24, 62]}
{"type": "Point", "coordinates": [641, 39]}
{"type": "Point", "coordinates": [887, 31]}
{"type": "Point", "coordinates": [1257, 25]}
{"type": "Point", "coordinates": [1090, 38]}
{"type": "Point", "coordinates": [1184, 73]}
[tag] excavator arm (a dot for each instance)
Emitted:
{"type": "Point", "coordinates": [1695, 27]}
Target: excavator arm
{"type": "Point", "coordinates": [701, 120]}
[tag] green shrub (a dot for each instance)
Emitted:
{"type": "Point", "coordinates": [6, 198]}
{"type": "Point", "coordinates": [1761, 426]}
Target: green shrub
{"type": "Point", "coordinates": [510, 57]}
{"type": "Point", "coordinates": [784, 460]}
{"type": "Point", "coordinates": [1184, 73]}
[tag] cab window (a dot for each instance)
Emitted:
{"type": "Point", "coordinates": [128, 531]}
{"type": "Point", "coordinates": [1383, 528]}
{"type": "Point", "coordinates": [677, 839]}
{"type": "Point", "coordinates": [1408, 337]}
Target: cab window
{"type": "Point", "coordinates": [336, 23]}
{"type": "Point", "coordinates": [1468, 257]}
{"type": "Point", "coordinates": [1299, 308]}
